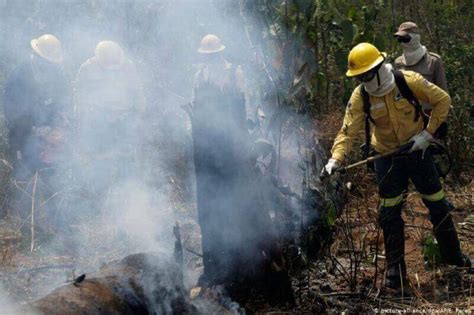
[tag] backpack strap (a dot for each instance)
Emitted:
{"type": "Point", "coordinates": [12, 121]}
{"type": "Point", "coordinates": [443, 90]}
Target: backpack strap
{"type": "Point", "coordinates": [368, 119]}
{"type": "Point", "coordinates": [407, 93]}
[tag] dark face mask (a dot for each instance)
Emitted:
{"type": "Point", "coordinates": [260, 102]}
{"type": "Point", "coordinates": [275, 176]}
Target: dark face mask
{"type": "Point", "coordinates": [403, 39]}
{"type": "Point", "coordinates": [369, 75]}
{"type": "Point", "coordinates": [366, 77]}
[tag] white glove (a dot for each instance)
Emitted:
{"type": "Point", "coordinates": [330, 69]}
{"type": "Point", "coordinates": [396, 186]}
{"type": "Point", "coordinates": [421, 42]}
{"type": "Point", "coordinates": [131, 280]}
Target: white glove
{"type": "Point", "coordinates": [421, 141]}
{"type": "Point", "coordinates": [332, 165]}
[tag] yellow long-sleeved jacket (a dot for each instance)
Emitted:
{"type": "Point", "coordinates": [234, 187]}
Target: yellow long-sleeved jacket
{"type": "Point", "coordinates": [393, 116]}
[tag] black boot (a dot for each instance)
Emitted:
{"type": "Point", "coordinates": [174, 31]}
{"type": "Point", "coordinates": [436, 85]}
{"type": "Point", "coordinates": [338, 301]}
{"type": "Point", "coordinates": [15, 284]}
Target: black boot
{"type": "Point", "coordinates": [448, 241]}
{"type": "Point", "coordinates": [394, 239]}
{"type": "Point", "coordinates": [445, 233]}
{"type": "Point", "coordinates": [396, 275]}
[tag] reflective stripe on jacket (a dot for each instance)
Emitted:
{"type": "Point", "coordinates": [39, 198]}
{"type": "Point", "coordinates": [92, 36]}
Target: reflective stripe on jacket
{"type": "Point", "coordinates": [393, 116]}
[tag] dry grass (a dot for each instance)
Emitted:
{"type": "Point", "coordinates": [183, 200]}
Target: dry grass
{"type": "Point", "coordinates": [429, 289]}
{"type": "Point", "coordinates": [9, 241]}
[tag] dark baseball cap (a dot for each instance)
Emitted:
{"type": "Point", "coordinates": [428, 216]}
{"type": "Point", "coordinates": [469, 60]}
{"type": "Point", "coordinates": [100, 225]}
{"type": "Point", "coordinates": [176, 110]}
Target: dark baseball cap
{"type": "Point", "coordinates": [407, 27]}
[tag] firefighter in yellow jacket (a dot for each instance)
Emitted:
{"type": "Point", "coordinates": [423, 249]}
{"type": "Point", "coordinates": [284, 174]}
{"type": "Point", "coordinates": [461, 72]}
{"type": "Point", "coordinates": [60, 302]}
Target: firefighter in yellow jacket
{"type": "Point", "coordinates": [394, 123]}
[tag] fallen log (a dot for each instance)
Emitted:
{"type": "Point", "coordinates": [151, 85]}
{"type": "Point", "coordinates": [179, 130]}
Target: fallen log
{"type": "Point", "coordinates": [137, 284]}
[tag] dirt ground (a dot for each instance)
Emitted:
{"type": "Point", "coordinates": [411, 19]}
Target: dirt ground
{"type": "Point", "coordinates": [431, 289]}
{"type": "Point", "coordinates": [337, 285]}
{"type": "Point", "coordinates": [343, 281]}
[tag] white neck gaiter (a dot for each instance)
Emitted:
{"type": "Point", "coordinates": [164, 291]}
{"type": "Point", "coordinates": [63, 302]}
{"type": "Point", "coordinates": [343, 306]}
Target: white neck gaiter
{"type": "Point", "coordinates": [382, 83]}
{"type": "Point", "coordinates": [413, 51]}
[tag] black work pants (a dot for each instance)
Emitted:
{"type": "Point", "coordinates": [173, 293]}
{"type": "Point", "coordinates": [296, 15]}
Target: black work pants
{"type": "Point", "coordinates": [393, 174]}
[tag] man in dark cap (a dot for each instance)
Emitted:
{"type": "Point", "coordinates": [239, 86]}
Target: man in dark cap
{"type": "Point", "coordinates": [417, 58]}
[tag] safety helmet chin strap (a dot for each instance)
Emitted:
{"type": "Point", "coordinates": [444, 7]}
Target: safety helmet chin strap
{"type": "Point", "coordinates": [380, 66]}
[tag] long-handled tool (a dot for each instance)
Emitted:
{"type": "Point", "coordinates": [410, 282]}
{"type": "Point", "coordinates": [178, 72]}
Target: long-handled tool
{"type": "Point", "coordinates": [398, 150]}
{"type": "Point", "coordinates": [370, 159]}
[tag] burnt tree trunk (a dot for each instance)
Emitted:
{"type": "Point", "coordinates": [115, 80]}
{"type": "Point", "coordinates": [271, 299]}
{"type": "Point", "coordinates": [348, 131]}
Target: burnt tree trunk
{"type": "Point", "coordinates": [239, 245]}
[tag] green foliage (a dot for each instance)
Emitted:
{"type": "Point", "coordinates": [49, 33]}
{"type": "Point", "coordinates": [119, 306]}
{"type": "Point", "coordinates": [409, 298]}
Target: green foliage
{"type": "Point", "coordinates": [349, 32]}
{"type": "Point", "coordinates": [330, 214]}
{"type": "Point", "coordinates": [431, 253]}
{"type": "Point", "coordinates": [470, 219]}
{"type": "Point", "coordinates": [321, 34]}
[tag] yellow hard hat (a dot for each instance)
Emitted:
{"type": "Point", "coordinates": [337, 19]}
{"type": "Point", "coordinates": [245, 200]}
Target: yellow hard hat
{"type": "Point", "coordinates": [109, 54]}
{"type": "Point", "coordinates": [48, 47]}
{"type": "Point", "coordinates": [362, 58]}
{"type": "Point", "coordinates": [210, 44]}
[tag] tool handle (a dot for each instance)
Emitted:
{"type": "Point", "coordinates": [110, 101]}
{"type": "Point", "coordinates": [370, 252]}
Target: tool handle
{"type": "Point", "coordinates": [400, 149]}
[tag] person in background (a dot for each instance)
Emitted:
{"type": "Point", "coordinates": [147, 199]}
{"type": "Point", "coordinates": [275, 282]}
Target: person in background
{"type": "Point", "coordinates": [417, 58]}
{"type": "Point", "coordinates": [235, 228]}
{"type": "Point", "coordinates": [37, 97]}
{"type": "Point", "coordinates": [109, 103]}
{"type": "Point", "coordinates": [220, 140]}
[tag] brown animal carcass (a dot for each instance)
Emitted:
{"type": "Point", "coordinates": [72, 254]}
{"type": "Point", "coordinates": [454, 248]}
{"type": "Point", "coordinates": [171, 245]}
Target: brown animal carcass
{"type": "Point", "coordinates": [137, 284]}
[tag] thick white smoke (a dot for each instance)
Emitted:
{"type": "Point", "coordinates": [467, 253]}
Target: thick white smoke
{"type": "Point", "coordinates": [135, 210]}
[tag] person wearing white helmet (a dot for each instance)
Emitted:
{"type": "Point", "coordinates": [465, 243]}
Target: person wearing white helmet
{"type": "Point", "coordinates": [109, 106]}
{"type": "Point", "coordinates": [36, 99]}
{"type": "Point", "coordinates": [217, 69]}
{"type": "Point", "coordinates": [108, 81]}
